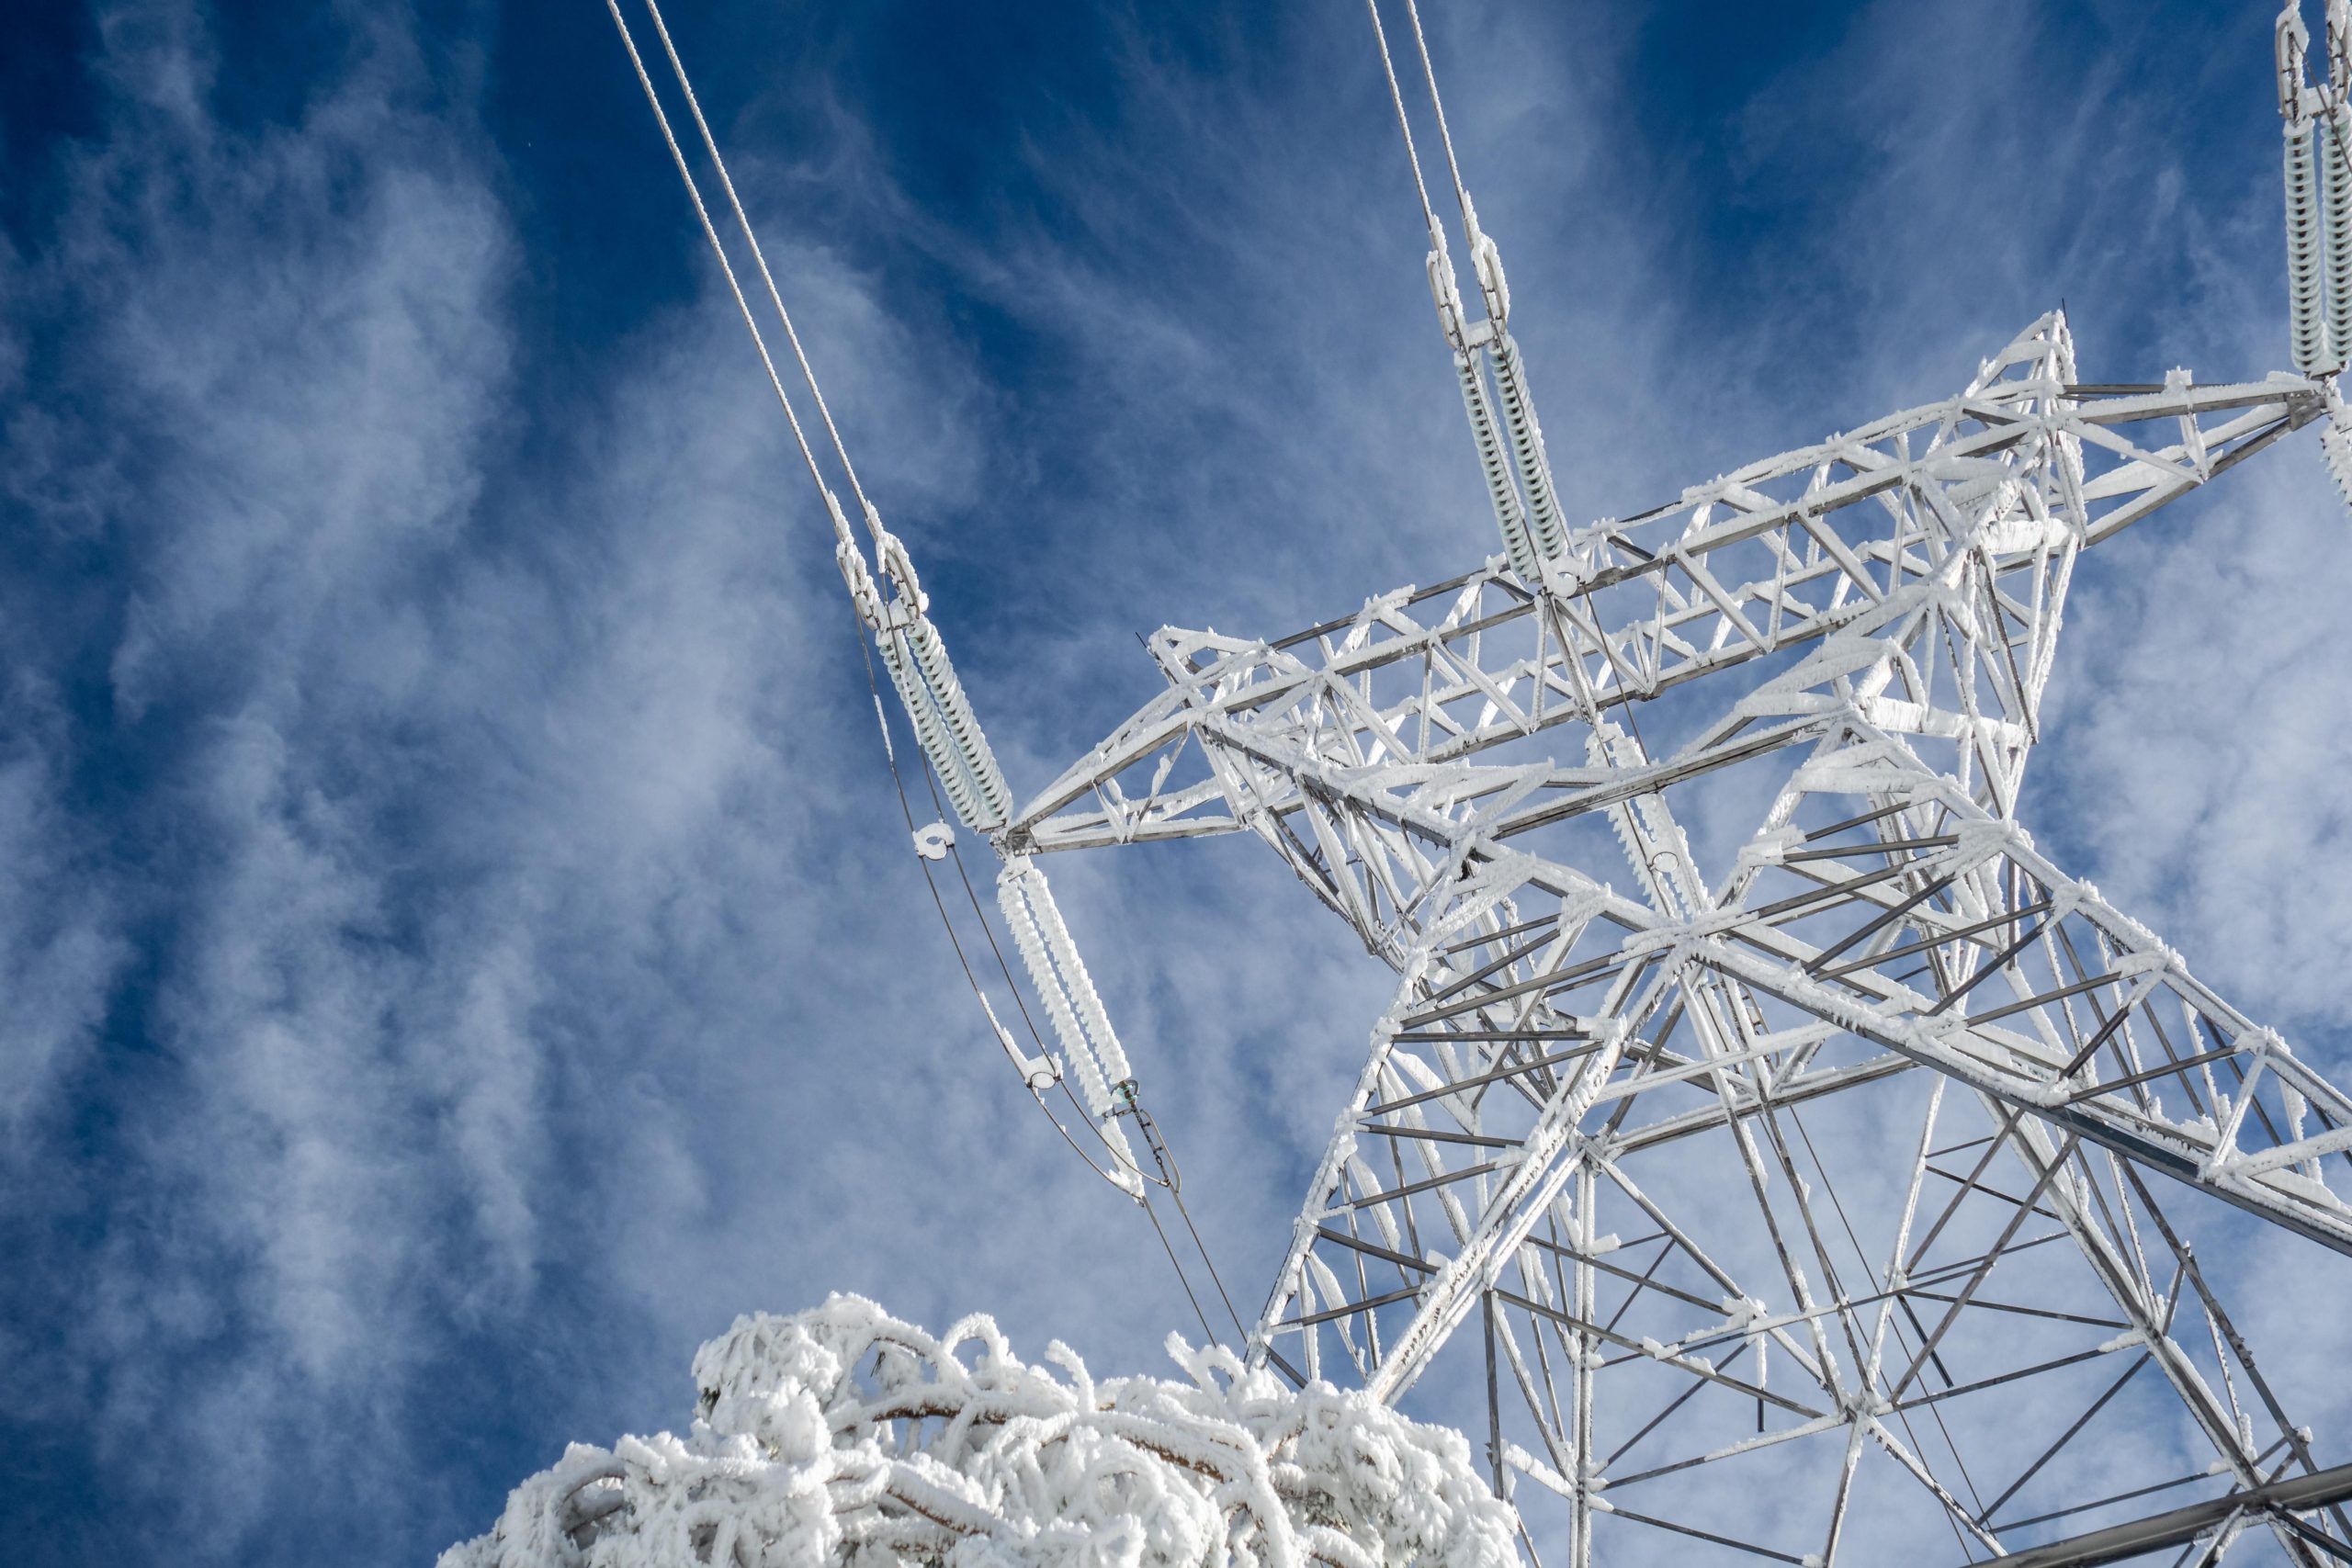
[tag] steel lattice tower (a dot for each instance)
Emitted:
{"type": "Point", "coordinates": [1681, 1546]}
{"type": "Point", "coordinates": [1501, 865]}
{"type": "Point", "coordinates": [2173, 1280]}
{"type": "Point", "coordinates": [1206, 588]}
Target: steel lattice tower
{"type": "Point", "coordinates": [1740, 1148]}
{"type": "Point", "coordinates": [1774, 1138]}
{"type": "Point", "coordinates": [1767, 1188]}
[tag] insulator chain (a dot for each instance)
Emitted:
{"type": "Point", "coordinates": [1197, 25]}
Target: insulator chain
{"type": "Point", "coordinates": [2307, 318]}
{"type": "Point", "coordinates": [2336, 442]}
{"type": "Point", "coordinates": [2335, 184]}
{"type": "Point", "coordinates": [1089, 1043]}
{"type": "Point", "coordinates": [1496, 465]}
{"type": "Point", "coordinates": [913, 650]}
{"type": "Point", "coordinates": [1527, 446]}
{"type": "Point", "coordinates": [1511, 457]}
{"type": "Point", "coordinates": [2317, 159]}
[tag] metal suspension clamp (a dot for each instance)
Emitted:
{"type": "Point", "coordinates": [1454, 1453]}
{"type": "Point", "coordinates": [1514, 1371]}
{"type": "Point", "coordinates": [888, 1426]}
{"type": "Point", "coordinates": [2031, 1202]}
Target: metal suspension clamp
{"type": "Point", "coordinates": [2290, 41]}
{"type": "Point", "coordinates": [1488, 263]}
{"type": "Point", "coordinates": [1447, 293]}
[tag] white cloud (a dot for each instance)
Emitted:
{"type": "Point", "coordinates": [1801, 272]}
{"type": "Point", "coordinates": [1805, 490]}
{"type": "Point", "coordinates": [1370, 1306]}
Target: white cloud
{"type": "Point", "coordinates": [528, 928]}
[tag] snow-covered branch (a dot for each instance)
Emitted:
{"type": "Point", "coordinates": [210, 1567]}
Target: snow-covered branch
{"type": "Point", "coordinates": [844, 1436]}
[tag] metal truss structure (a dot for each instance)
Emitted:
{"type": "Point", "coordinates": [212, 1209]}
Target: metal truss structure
{"type": "Point", "coordinates": [1669, 1145]}
{"type": "Point", "coordinates": [1779, 1139]}
{"type": "Point", "coordinates": [1748, 1283]}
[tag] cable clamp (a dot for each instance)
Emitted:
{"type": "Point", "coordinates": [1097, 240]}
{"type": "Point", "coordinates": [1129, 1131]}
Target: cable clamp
{"type": "Point", "coordinates": [2289, 42]}
{"type": "Point", "coordinates": [862, 590]}
{"type": "Point", "coordinates": [1446, 292]}
{"type": "Point", "coordinates": [934, 841]}
{"type": "Point", "coordinates": [900, 567]}
{"type": "Point", "coordinates": [1488, 263]}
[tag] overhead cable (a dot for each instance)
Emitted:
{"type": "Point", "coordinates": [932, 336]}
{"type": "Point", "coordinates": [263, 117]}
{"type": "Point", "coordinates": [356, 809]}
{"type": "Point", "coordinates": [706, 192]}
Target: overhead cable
{"type": "Point", "coordinates": [948, 732]}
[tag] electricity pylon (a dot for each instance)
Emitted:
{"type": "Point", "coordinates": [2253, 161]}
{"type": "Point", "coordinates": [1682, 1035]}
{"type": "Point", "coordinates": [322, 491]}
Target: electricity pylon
{"type": "Point", "coordinates": [1809, 1192]}
{"type": "Point", "coordinates": [1778, 1135]}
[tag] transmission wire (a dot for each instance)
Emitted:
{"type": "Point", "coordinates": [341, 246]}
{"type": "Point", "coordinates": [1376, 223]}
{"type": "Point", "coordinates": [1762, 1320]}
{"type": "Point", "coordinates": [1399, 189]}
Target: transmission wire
{"type": "Point", "coordinates": [744, 222]}
{"type": "Point", "coordinates": [849, 469]}
{"type": "Point", "coordinates": [711, 234]}
{"type": "Point", "coordinates": [1397, 96]}
{"type": "Point", "coordinates": [1460, 194]}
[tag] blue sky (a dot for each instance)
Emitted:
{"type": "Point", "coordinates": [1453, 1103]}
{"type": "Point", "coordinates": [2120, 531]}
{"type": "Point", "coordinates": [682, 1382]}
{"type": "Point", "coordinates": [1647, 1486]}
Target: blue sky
{"type": "Point", "coordinates": [459, 949]}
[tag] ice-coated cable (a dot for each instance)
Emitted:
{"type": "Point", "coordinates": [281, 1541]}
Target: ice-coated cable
{"type": "Point", "coordinates": [759, 256]}
{"type": "Point", "coordinates": [958, 746]}
{"type": "Point", "coordinates": [852, 569]}
{"type": "Point", "coordinates": [944, 725]}
{"type": "Point", "coordinates": [1422, 42]}
{"type": "Point", "coordinates": [951, 736]}
{"type": "Point", "coordinates": [710, 232]}
{"type": "Point", "coordinates": [1397, 96]}
{"type": "Point", "coordinates": [937, 705]}
{"type": "Point", "coordinates": [853, 562]}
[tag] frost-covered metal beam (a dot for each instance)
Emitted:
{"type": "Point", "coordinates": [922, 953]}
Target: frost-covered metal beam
{"type": "Point", "coordinates": [2178, 1526]}
{"type": "Point", "coordinates": [1853, 639]}
{"type": "Point", "coordinates": [1841, 537]}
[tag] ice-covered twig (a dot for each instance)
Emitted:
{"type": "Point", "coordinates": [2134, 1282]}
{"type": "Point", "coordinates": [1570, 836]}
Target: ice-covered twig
{"type": "Point", "coordinates": [844, 1436]}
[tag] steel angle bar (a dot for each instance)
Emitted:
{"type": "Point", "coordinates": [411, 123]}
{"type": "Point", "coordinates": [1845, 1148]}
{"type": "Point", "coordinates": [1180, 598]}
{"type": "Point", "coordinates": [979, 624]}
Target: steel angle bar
{"type": "Point", "coordinates": [1750, 1548]}
{"type": "Point", "coordinates": [1709, 1373]}
{"type": "Point", "coordinates": [2119, 1543]}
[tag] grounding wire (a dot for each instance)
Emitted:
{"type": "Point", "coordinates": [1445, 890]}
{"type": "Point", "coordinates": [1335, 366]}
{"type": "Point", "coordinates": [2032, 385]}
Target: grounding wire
{"type": "Point", "coordinates": [1176, 1196]}
{"type": "Point", "coordinates": [758, 257]}
{"type": "Point", "coordinates": [849, 469]}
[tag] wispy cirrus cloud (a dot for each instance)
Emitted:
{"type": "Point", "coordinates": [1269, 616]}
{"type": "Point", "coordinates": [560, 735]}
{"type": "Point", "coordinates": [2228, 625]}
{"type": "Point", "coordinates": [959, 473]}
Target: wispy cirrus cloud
{"type": "Point", "coordinates": [460, 944]}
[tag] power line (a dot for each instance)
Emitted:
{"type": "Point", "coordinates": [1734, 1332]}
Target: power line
{"type": "Point", "coordinates": [1132, 1179]}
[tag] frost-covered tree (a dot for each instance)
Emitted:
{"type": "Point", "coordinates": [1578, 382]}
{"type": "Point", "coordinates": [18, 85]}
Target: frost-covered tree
{"type": "Point", "coordinates": [844, 1436]}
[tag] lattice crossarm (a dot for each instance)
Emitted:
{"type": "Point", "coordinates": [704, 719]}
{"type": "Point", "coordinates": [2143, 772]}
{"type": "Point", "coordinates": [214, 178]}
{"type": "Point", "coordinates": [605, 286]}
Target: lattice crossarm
{"type": "Point", "coordinates": [1210, 672]}
{"type": "Point", "coordinates": [1465, 702]}
{"type": "Point", "coordinates": [2257, 415]}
